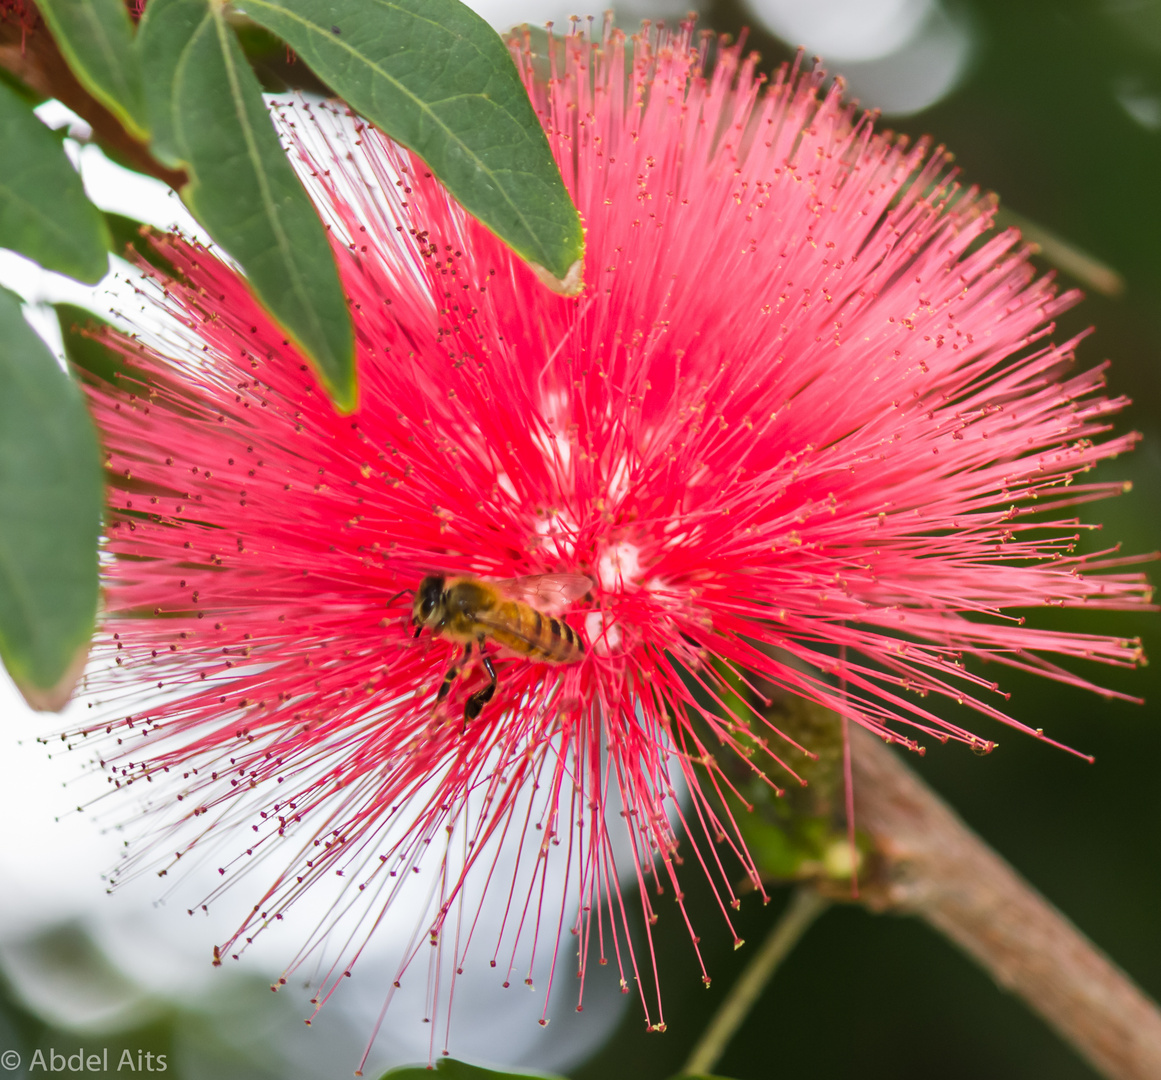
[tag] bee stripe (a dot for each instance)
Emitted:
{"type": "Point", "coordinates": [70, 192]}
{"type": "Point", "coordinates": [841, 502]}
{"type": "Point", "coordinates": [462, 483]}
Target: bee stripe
{"type": "Point", "coordinates": [554, 626]}
{"type": "Point", "coordinates": [539, 622]}
{"type": "Point", "coordinates": [568, 634]}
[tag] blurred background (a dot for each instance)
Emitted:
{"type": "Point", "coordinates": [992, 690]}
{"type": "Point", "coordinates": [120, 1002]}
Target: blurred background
{"type": "Point", "coordinates": [1056, 106]}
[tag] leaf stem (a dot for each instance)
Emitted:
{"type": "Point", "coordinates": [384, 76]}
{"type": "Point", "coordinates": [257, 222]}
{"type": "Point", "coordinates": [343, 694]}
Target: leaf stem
{"type": "Point", "coordinates": [805, 906]}
{"type": "Point", "coordinates": [36, 61]}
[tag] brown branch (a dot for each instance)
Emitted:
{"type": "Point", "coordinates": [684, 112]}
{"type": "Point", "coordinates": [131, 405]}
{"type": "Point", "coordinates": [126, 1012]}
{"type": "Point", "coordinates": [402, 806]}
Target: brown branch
{"type": "Point", "coordinates": [32, 56]}
{"type": "Point", "coordinates": [935, 867]}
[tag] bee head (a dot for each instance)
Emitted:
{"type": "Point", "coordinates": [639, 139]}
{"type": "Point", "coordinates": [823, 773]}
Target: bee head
{"type": "Point", "coordinates": [428, 601]}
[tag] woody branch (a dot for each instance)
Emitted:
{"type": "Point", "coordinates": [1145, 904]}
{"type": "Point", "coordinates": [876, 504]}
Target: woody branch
{"type": "Point", "coordinates": [935, 867]}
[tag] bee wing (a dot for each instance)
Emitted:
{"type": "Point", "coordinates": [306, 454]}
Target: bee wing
{"type": "Point", "coordinates": [551, 593]}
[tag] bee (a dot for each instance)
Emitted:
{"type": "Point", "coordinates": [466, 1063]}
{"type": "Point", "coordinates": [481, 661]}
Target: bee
{"type": "Point", "coordinates": [472, 611]}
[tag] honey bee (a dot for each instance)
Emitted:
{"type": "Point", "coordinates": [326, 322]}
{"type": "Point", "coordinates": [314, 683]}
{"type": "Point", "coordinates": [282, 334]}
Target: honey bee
{"type": "Point", "coordinates": [472, 611]}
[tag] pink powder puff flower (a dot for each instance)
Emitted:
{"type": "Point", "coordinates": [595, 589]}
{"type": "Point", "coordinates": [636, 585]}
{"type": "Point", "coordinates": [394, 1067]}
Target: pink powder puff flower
{"type": "Point", "coordinates": [803, 407]}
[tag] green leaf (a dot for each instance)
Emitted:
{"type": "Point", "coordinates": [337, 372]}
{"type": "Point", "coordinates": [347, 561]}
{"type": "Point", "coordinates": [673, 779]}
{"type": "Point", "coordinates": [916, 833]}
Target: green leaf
{"type": "Point", "coordinates": [90, 360]}
{"type": "Point", "coordinates": [128, 232]}
{"type": "Point", "coordinates": [450, 1069]}
{"type": "Point", "coordinates": [699, 1076]}
{"type": "Point", "coordinates": [96, 38]}
{"type": "Point", "coordinates": [165, 31]}
{"type": "Point", "coordinates": [93, 360]}
{"type": "Point", "coordinates": [435, 77]}
{"type": "Point", "coordinates": [50, 489]}
{"type": "Point", "coordinates": [44, 211]}
{"type": "Point", "coordinates": [242, 188]}
{"type": "Point", "coordinates": [33, 97]}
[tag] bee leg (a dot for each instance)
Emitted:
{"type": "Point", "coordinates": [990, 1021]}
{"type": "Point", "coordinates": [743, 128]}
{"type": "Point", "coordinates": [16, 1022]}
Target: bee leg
{"type": "Point", "coordinates": [481, 697]}
{"type": "Point", "coordinates": [453, 673]}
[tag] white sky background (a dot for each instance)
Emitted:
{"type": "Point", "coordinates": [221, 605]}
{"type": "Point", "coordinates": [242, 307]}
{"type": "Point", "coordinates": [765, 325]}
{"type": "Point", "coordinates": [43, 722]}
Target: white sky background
{"type": "Point", "coordinates": [898, 54]}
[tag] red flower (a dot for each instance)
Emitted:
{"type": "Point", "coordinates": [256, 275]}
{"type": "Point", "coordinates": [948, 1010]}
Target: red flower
{"type": "Point", "coordinates": [803, 407]}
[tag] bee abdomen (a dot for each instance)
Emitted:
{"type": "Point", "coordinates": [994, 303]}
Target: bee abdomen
{"type": "Point", "coordinates": [541, 636]}
{"type": "Point", "coordinates": [563, 642]}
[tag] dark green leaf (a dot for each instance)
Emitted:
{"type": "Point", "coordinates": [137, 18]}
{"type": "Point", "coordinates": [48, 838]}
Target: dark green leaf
{"type": "Point", "coordinates": [93, 359]}
{"type": "Point", "coordinates": [242, 187]}
{"type": "Point", "coordinates": [50, 489]}
{"type": "Point", "coordinates": [33, 97]}
{"type": "Point", "coordinates": [450, 1069]}
{"type": "Point", "coordinates": [437, 78]}
{"type": "Point", "coordinates": [699, 1076]}
{"type": "Point", "coordinates": [277, 67]}
{"type": "Point", "coordinates": [90, 359]}
{"type": "Point", "coordinates": [130, 233]}
{"type": "Point", "coordinates": [165, 31]}
{"type": "Point", "coordinates": [257, 42]}
{"type": "Point", "coordinates": [96, 38]}
{"type": "Point", "coordinates": [44, 212]}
